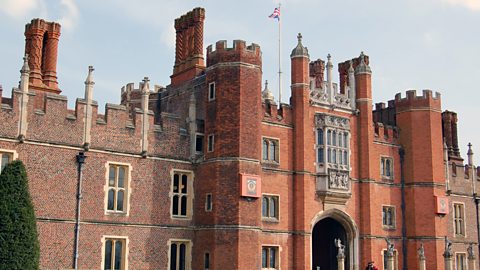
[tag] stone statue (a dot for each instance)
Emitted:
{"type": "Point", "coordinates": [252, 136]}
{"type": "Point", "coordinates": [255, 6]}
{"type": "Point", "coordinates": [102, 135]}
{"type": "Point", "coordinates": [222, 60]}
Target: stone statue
{"type": "Point", "coordinates": [471, 254]}
{"type": "Point", "coordinates": [390, 247]}
{"type": "Point", "coordinates": [340, 248]}
{"type": "Point", "coordinates": [448, 248]}
{"type": "Point", "coordinates": [421, 252]}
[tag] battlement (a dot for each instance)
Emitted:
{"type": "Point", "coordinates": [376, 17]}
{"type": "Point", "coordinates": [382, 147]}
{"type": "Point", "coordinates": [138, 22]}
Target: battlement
{"type": "Point", "coordinates": [385, 133]}
{"type": "Point", "coordinates": [279, 115]}
{"type": "Point", "coordinates": [412, 101]}
{"type": "Point", "coordinates": [384, 114]}
{"type": "Point", "coordinates": [240, 52]}
{"type": "Point", "coordinates": [116, 130]}
{"type": "Point", "coordinates": [461, 177]}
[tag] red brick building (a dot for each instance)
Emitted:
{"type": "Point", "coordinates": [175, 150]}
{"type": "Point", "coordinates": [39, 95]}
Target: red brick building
{"type": "Point", "coordinates": [211, 173]}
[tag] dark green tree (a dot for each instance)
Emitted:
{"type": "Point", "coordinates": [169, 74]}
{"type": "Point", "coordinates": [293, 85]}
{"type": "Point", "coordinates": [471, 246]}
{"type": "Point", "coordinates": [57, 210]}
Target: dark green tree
{"type": "Point", "coordinates": [19, 247]}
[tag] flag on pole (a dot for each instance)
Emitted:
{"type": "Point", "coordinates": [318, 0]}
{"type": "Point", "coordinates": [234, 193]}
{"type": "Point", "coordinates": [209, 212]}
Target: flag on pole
{"type": "Point", "coordinates": [275, 14]}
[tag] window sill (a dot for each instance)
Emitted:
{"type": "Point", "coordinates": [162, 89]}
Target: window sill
{"type": "Point", "coordinates": [270, 163]}
{"type": "Point", "coordinates": [270, 220]}
{"type": "Point", "coordinates": [115, 213]}
{"type": "Point", "coordinates": [389, 228]}
{"type": "Point", "coordinates": [387, 178]}
{"type": "Point", "coordinates": [181, 217]}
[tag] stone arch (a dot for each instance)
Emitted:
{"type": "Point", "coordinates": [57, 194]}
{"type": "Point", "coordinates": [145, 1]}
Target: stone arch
{"type": "Point", "coordinates": [351, 230]}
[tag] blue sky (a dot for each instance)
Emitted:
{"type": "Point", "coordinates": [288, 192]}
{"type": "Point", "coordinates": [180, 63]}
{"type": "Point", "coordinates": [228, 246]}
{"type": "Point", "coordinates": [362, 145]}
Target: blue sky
{"type": "Point", "coordinates": [412, 44]}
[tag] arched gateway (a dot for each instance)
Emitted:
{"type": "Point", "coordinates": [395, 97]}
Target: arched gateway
{"type": "Point", "coordinates": [328, 226]}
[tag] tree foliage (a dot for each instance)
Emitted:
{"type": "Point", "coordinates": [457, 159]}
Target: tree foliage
{"type": "Point", "coordinates": [19, 247]}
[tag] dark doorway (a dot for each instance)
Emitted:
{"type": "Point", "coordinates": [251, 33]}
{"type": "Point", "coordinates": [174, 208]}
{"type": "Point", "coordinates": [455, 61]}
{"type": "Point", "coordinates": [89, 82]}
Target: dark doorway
{"type": "Point", "coordinates": [324, 252]}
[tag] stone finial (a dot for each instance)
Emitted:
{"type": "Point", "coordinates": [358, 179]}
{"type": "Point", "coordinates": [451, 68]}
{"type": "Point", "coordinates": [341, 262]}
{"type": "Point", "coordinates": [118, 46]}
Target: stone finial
{"type": "Point", "coordinates": [329, 61]}
{"type": "Point", "coordinates": [299, 51]}
{"type": "Point", "coordinates": [146, 87]}
{"type": "Point", "coordinates": [350, 68]}
{"type": "Point", "coordinates": [363, 68]}
{"type": "Point", "coordinates": [89, 79]}
{"type": "Point", "coordinates": [470, 154]}
{"type": "Point", "coordinates": [25, 68]}
{"type": "Point", "coordinates": [267, 94]}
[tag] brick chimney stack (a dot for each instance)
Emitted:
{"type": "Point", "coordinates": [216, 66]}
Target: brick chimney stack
{"type": "Point", "coordinates": [189, 60]}
{"type": "Point", "coordinates": [41, 44]}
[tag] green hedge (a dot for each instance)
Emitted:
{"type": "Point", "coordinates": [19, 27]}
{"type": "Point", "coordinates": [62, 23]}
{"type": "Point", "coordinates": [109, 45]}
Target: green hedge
{"type": "Point", "coordinates": [19, 248]}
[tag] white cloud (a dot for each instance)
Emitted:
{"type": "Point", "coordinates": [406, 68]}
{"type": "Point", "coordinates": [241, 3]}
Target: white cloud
{"type": "Point", "coordinates": [470, 4]}
{"type": "Point", "coordinates": [70, 14]}
{"type": "Point", "coordinates": [18, 9]}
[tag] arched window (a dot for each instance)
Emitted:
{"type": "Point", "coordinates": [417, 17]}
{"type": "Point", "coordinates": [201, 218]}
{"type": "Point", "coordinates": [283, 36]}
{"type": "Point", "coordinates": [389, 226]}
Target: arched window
{"type": "Point", "coordinates": [329, 137]}
{"type": "Point", "coordinates": [334, 138]}
{"type": "Point", "coordinates": [329, 155]}
{"type": "Point", "coordinates": [340, 140]}
{"type": "Point", "coordinates": [321, 158]}
{"type": "Point", "coordinates": [265, 149]}
{"type": "Point", "coordinates": [265, 202]}
{"type": "Point", "coordinates": [388, 167]}
{"type": "Point", "coordinates": [273, 154]}
{"type": "Point", "coordinates": [272, 210]}
{"type": "Point", "coordinates": [345, 157]}
{"type": "Point", "coordinates": [320, 136]}
{"type": "Point", "coordinates": [334, 156]}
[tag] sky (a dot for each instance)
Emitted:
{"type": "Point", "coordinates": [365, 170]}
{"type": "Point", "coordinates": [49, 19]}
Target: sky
{"type": "Point", "coordinates": [412, 44]}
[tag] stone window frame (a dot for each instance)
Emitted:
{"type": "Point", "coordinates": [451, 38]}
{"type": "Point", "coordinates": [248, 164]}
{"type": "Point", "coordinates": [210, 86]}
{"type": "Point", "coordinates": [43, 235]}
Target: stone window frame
{"type": "Point", "coordinates": [338, 124]}
{"type": "Point", "coordinates": [212, 89]}
{"type": "Point", "coordinates": [128, 189]}
{"type": "Point", "coordinates": [395, 255]}
{"type": "Point", "coordinates": [125, 251]}
{"type": "Point", "coordinates": [12, 153]}
{"type": "Point", "coordinates": [269, 247]}
{"type": "Point", "coordinates": [394, 217]}
{"type": "Point", "coordinates": [383, 167]}
{"type": "Point", "coordinates": [461, 219]}
{"type": "Point", "coordinates": [208, 202]}
{"type": "Point", "coordinates": [211, 143]}
{"type": "Point", "coordinates": [276, 200]}
{"type": "Point", "coordinates": [464, 255]}
{"type": "Point", "coordinates": [189, 195]}
{"type": "Point", "coordinates": [188, 252]}
{"type": "Point", "coordinates": [269, 141]}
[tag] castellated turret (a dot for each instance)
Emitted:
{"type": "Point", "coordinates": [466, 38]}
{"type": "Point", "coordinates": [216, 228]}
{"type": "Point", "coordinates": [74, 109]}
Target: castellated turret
{"type": "Point", "coordinates": [233, 102]}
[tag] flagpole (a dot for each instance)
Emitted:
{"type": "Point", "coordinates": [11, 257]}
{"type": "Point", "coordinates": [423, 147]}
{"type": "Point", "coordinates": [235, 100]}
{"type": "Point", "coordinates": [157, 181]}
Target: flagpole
{"type": "Point", "coordinates": [279, 57]}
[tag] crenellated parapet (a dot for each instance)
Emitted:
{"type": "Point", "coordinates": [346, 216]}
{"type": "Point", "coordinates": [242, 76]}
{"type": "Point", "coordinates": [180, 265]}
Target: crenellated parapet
{"type": "Point", "coordinates": [462, 178]}
{"type": "Point", "coordinates": [383, 114]}
{"type": "Point", "coordinates": [385, 133]}
{"type": "Point", "coordinates": [115, 130]}
{"type": "Point", "coordinates": [427, 101]}
{"type": "Point", "coordinates": [278, 115]}
{"type": "Point", "coordinates": [239, 53]}
{"type": "Point", "coordinates": [131, 97]}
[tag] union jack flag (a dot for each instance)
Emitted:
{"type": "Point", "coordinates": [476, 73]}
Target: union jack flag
{"type": "Point", "coordinates": [275, 14]}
